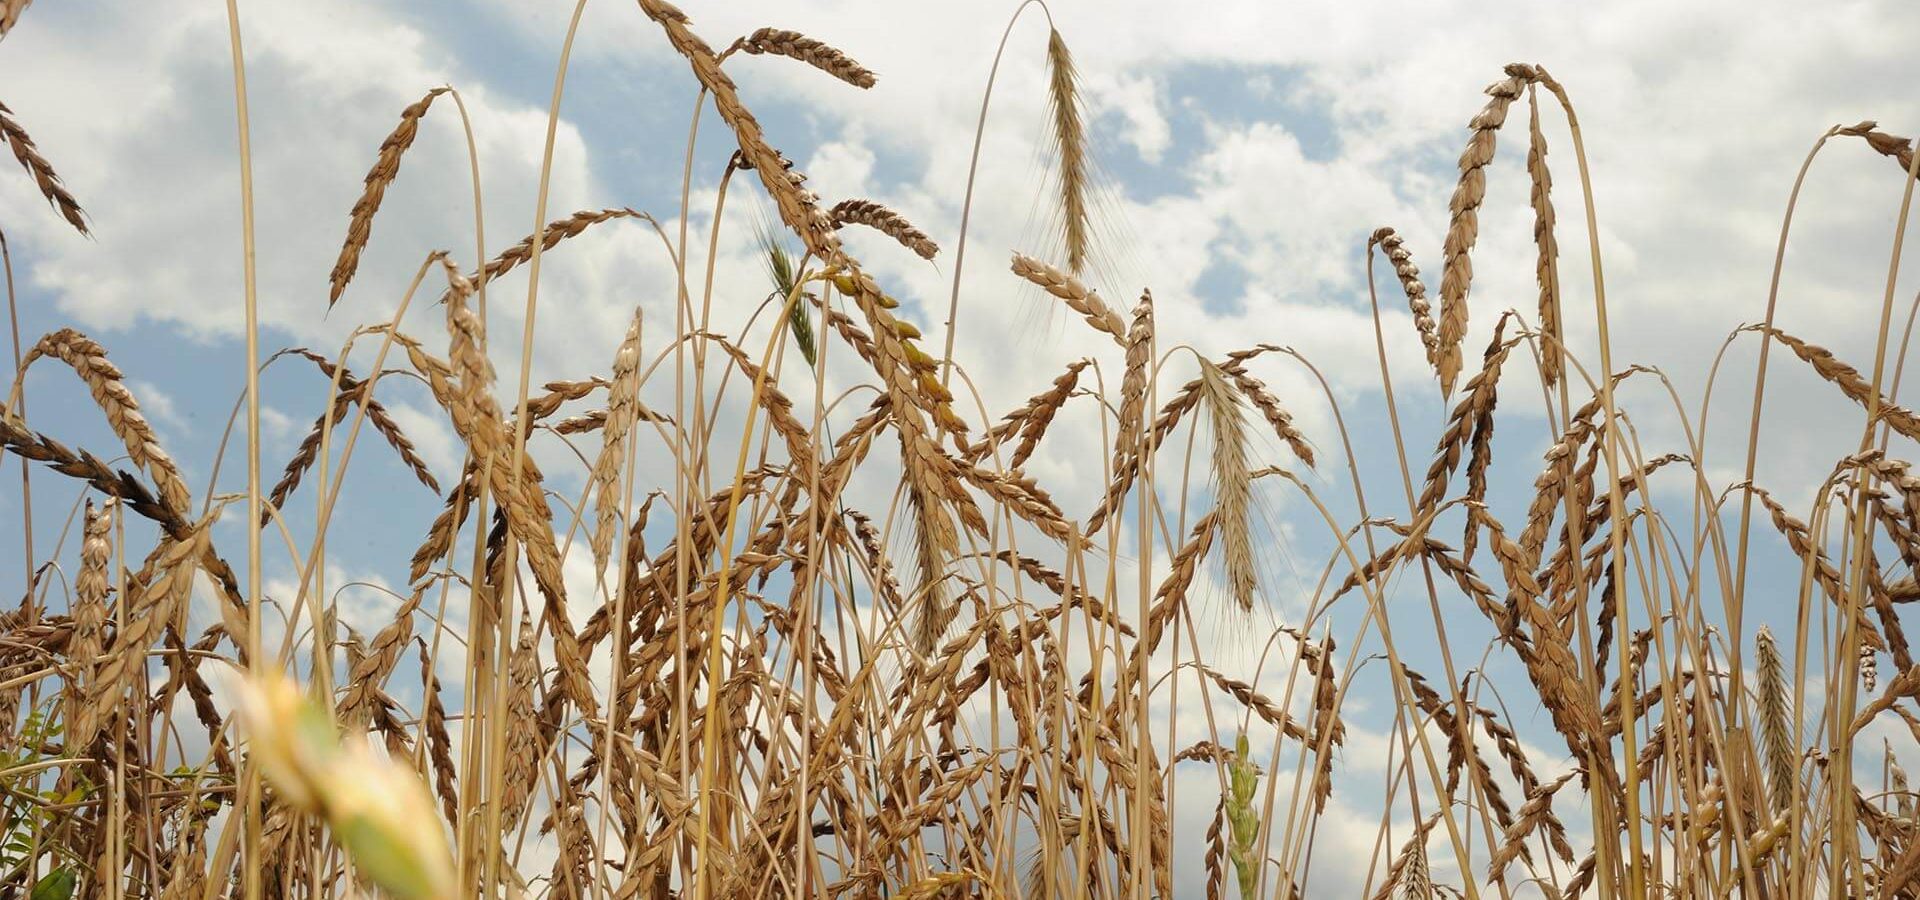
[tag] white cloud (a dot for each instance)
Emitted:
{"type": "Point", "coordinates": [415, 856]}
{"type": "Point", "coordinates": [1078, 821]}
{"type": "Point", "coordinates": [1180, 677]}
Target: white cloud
{"type": "Point", "coordinates": [1694, 121]}
{"type": "Point", "coordinates": [156, 403]}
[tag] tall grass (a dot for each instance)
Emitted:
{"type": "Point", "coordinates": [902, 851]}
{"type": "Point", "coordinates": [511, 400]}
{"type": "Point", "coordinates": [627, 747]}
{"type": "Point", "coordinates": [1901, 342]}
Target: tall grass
{"type": "Point", "coordinates": [844, 645]}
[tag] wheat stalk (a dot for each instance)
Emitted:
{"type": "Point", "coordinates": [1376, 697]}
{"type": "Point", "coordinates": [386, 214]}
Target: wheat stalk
{"type": "Point", "coordinates": [305, 455]}
{"type": "Point", "coordinates": [1473, 410]}
{"type": "Point", "coordinates": [1408, 875]}
{"type": "Point", "coordinates": [476, 415]}
{"type": "Point", "coordinates": [354, 390]}
{"type": "Point", "coordinates": [118, 484]}
{"type": "Point", "coordinates": [1480, 457]}
{"type": "Point", "coordinates": [1269, 406]}
{"type": "Point", "coordinates": [1533, 816]}
{"type": "Point", "coordinates": [1894, 147]}
{"type": "Point", "coordinates": [1242, 819]}
{"type": "Point", "coordinates": [555, 232]}
{"type": "Point", "coordinates": [156, 606]}
{"type": "Point", "coordinates": [433, 726]}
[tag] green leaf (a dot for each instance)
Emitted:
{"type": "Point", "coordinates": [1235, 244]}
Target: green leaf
{"type": "Point", "coordinates": [57, 885]}
{"type": "Point", "coordinates": [780, 270]}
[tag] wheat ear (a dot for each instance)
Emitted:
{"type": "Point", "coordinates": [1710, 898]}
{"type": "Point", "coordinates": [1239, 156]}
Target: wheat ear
{"type": "Point", "coordinates": [623, 403]}
{"type": "Point", "coordinates": [1395, 247]}
{"type": "Point", "coordinates": [386, 166]}
{"type": "Point", "coordinates": [1546, 260]}
{"type": "Point", "coordinates": [884, 220]}
{"type": "Point", "coordinates": [1894, 147]}
{"type": "Point", "coordinates": [1463, 229]}
{"type": "Point", "coordinates": [1075, 293]}
{"type": "Point", "coordinates": [107, 385]}
{"type": "Point", "coordinates": [10, 11]}
{"type": "Point", "coordinates": [30, 159]}
{"type": "Point", "coordinates": [90, 588]}
{"type": "Point", "coordinates": [794, 45]}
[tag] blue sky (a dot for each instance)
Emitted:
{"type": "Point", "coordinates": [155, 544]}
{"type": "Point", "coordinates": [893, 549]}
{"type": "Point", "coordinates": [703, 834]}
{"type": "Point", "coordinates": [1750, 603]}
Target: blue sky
{"type": "Point", "coordinates": [1249, 148]}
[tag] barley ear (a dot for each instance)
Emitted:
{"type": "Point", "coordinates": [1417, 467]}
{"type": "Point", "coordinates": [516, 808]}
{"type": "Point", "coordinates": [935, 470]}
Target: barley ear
{"type": "Point", "coordinates": [1232, 482]}
{"type": "Point", "coordinates": [1070, 142]}
{"type": "Point", "coordinates": [1776, 722]}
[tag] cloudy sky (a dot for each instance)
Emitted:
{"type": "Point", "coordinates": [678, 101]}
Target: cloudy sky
{"type": "Point", "coordinates": [1247, 149]}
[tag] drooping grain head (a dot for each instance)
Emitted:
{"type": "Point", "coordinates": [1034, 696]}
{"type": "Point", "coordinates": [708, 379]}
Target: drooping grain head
{"type": "Point", "coordinates": [794, 45]}
{"type": "Point", "coordinates": [884, 220]}
{"type": "Point", "coordinates": [29, 156]}
{"type": "Point", "coordinates": [1393, 245]}
{"type": "Point", "coordinates": [1463, 228]}
{"type": "Point", "coordinates": [386, 167]}
{"type": "Point", "coordinates": [1547, 246]}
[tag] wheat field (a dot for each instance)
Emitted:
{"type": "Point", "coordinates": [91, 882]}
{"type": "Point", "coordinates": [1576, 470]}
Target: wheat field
{"type": "Point", "coordinates": [796, 620]}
